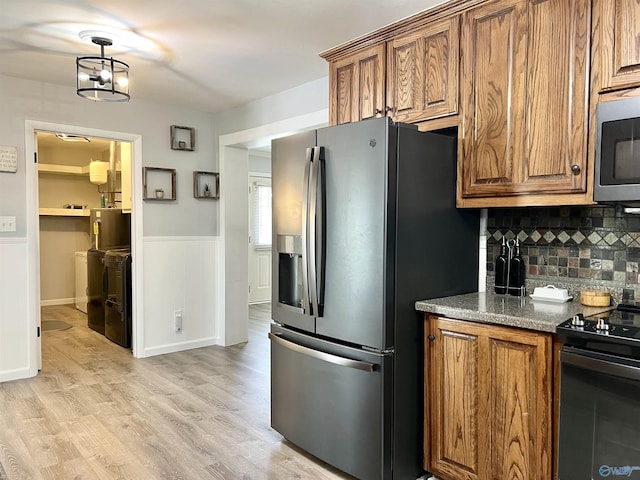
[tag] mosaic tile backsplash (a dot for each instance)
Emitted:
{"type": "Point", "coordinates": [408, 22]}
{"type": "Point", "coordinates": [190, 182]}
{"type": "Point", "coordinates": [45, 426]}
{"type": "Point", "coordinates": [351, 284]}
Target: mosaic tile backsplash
{"type": "Point", "coordinates": [572, 247]}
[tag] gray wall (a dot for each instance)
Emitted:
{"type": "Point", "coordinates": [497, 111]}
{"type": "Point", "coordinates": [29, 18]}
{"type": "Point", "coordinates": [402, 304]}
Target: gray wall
{"type": "Point", "coordinates": [26, 100]}
{"type": "Point", "coordinates": [260, 163]}
{"type": "Point", "coordinates": [192, 289]}
{"type": "Point", "coordinates": [308, 97]}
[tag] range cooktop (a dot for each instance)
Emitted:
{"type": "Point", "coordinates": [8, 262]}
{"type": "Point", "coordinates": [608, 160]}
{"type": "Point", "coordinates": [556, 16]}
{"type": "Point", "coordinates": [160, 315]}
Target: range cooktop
{"type": "Point", "coordinates": [614, 331]}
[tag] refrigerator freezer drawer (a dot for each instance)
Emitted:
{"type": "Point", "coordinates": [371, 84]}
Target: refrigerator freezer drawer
{"type": "Point", "coordinates": [330, 401]}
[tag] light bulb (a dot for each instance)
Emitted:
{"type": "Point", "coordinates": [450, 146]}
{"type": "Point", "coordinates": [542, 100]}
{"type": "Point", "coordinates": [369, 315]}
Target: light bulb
{"type": "Point", "coordinates": [83, 77]}
{"type": "Point", "coordinates": [105, 75]}
{"type": "Point", "coordinates": [122, 81]}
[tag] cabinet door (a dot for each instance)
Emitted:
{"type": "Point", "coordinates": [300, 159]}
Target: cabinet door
{"type": "Point", "coordinates": [490, 401]}
{"type": "Point", "coordinates": [422, 72]}
{"type": "Point", "coordinates": [525, 98]}
{"type": "Point", "coordinates": [356, 86]}
{"type": "Point", "coordinates": [492, 95]}
{"type": "Point", "coordinates": [518, 399]}
{"type": "Point", "coordinates": [619, 40]}
{"type": "Point", "coordinates": [556, 97]}
{"type": "Point", "coordinates": [454, 397]}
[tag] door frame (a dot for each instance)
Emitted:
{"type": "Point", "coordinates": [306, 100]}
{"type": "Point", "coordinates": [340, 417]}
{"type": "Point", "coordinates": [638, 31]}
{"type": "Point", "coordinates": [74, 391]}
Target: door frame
{"type": "Point", "coordinates": [233, 276]}
{"type": "Point", "coordinates": [33, 230]}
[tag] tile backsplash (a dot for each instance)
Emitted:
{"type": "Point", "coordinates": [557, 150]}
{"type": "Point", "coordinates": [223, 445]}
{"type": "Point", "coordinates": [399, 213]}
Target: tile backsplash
{"type": "Point", "coordinates": [571, 247]}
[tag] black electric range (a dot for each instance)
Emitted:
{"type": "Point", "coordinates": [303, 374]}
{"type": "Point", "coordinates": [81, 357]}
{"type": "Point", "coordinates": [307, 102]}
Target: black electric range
{"type": "Point", "coordinates": [599, 407]}
{"type": "Point", "coordinates": [615, 331]}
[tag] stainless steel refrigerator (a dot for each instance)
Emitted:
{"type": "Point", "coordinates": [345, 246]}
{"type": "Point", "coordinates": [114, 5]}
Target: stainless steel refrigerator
{"type": "Point", "coordinates": [364, 224]}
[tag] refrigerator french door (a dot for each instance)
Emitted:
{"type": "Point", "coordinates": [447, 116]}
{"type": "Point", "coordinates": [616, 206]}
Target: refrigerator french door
{"type": "Point", "coordinates": [364, 225]}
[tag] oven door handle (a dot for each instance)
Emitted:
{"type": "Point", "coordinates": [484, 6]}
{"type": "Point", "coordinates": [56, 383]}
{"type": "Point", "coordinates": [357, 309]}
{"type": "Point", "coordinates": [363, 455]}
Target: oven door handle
{"type": "Point", "coordinates": [592, 362]}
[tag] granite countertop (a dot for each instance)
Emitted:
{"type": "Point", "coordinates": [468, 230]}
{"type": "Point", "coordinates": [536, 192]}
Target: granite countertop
{"type": "Point", "coordinates": [521, 312]}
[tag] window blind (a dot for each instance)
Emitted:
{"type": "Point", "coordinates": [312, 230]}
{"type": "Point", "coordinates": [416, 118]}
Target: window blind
{"type": "Point", "coordinates": [261, 221]}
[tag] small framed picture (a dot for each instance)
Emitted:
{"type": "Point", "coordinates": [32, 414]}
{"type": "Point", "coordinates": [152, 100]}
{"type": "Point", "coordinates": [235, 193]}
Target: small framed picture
{"type": "Point", "coordinates": [183, 138]}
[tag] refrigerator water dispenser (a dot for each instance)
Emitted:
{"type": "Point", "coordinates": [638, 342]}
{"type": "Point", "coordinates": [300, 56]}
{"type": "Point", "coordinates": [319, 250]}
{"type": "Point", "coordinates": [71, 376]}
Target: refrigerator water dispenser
{"type": "Point", "coordinates": [289, 248]}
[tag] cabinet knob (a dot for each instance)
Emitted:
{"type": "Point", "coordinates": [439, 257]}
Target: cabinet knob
{"type": "Point", "coordinates": [575, 169]}
{"type": "Point", "coordinates": [378, 111]}
{"type": "Point", "coordinates": [388, 109]}
{"type": "Point", "coordinates": [431, 338]}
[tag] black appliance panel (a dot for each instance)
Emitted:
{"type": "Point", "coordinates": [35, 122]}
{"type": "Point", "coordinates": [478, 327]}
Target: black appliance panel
{"type": "Point", "coordinates": [599, 429]}
{"type": "Point", "coordinates": [95, 290]}
{"type": "Point", "coordinates": [599, 432]}
{"type": "Point", "coordinates": [117, 292]}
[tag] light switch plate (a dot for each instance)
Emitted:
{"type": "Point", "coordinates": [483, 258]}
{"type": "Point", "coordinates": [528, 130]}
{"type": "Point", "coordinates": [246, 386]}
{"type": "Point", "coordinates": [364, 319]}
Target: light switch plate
{"type": "Point", "coordinates": [7, 224]}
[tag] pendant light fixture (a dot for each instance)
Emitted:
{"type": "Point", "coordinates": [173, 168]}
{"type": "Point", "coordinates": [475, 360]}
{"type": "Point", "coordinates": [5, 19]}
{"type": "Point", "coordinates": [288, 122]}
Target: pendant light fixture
{"type": "Point", "coordinates": [102, 79]}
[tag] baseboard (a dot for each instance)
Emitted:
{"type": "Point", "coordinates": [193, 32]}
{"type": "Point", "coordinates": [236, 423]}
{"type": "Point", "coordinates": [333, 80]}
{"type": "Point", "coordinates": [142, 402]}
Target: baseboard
{"type": "Point", "coordinates": [179, 347]}
{"type": "Point", "coordinates": [16, 374]}
{"type": "Point", "coordinates": [58, 301]}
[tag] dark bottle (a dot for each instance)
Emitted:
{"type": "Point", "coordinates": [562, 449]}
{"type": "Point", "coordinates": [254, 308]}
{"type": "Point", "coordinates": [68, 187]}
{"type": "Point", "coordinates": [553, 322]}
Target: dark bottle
{"type": "Point", "coordinates": [516, 272]}
{"type": "Point", "coordinates": [502, 269]}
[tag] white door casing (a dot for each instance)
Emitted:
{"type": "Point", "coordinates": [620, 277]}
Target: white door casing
{"type": "Point", "coordinates": [31, 127]}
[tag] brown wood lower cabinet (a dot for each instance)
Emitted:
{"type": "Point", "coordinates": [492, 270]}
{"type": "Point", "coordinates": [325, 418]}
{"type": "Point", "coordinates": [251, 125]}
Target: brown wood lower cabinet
{"type": "Point", "coordinates": [488, 401]}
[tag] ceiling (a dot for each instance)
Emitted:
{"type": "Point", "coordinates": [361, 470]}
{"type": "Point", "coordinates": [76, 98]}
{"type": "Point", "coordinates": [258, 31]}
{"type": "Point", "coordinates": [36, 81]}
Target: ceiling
{"type": "Point", "coordinates": [211, 55]}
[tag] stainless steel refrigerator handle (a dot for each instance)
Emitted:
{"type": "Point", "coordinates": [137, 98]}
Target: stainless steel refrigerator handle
{"type": "Point", "coordinates": [326, 357]}
{"type": "Point", "coordinates": [305, 246]}
{"type": "Point", "coordinates": [602, 366]}
{"type": "Point", "coordinates": [313, 209]}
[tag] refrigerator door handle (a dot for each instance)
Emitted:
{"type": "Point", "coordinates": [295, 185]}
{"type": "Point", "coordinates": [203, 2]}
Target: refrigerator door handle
{"type": "Point", "coordinates": [326, 357]}
{"type": "Point", "coordinates": [305, 233]}
{"type": "Point", "coordinates": [313, 231]}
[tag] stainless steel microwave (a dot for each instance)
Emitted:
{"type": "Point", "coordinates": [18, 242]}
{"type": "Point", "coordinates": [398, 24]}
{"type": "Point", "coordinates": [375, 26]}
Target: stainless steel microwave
{"type": "Point", "coordinates": [617, 162]}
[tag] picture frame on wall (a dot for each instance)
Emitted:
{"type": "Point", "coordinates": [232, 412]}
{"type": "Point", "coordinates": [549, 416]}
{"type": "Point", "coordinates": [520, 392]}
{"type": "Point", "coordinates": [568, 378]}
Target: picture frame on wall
{"type": "Point", "coordinates": [183, 138]}
{"type": "Point", "coordinates": [206, 185]}
{"type": "Point", "coordinates": [158, 183]}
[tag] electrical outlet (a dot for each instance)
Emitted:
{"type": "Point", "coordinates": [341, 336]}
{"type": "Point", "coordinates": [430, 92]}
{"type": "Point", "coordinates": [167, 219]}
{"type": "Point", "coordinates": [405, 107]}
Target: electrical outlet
{"type": "Point", "coordinates": [7, 224]}
{"type": "Point", "coordinates": [177, 321]}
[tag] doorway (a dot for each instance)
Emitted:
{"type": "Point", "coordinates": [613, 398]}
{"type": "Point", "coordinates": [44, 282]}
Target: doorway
{"type": "Point", "coordinates": [80, 179]}
{"type": "Point", "coordinates": [32, 129]}
{"type": "Point", "coordinates": [259, 239]}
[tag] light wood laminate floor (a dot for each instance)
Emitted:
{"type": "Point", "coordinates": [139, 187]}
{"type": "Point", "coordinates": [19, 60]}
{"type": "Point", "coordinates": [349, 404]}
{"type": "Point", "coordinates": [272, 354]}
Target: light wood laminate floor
{"type": "Point", "coordinates": [95, 412]}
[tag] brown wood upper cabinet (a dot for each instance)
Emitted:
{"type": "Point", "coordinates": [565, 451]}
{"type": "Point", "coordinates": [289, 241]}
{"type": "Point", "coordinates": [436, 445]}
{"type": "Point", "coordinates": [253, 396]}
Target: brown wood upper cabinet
{"type": "Point", "coordinates": [619, 41]}
{"type": "Point", "coordinates": [356, 86]}
{"type": "Point", "coordinates": [488, 392]}
{"type": "Point", "coordinates": [411, 77]}
{"type": "Point", "coordinates": [422, 69]}
{"type": "Point", "coordinates": [524, 102]}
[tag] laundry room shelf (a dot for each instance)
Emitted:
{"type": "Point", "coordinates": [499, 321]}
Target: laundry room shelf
{"type": "Point", "coordinates": [65, 212]}
{"type": "Point", "coordinates": [63, 169]}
